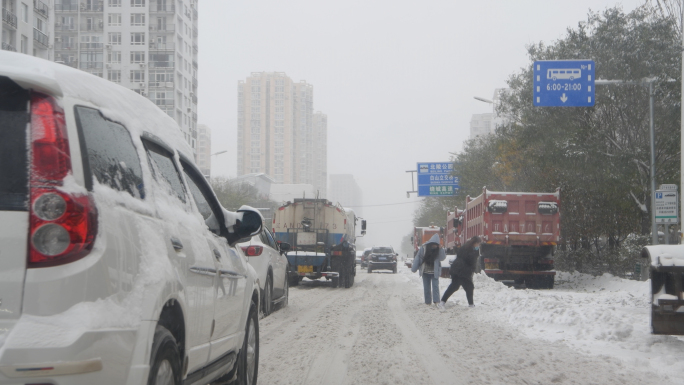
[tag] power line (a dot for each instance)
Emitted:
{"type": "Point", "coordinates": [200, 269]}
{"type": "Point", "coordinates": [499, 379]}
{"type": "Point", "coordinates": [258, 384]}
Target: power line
{"type": "Point", "coordinates": [385, 204]}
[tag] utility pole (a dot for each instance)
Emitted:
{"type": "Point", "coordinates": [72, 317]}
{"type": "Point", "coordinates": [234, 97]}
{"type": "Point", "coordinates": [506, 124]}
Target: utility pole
{"type": "Point", "coordinates": [651, 95]}
{"type": "Point", "coordinates": [681, 153]}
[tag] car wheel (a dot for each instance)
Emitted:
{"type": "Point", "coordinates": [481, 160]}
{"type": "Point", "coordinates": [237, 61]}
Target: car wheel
{"type": "Point", "coordinates": [165, 361]}
{"type": "Point", "coordinates": [248, 364]}
{"type": "Point", "coordinates": [369, 269]}
{"type": "Point", "coordinates": [394, 271]}
{"type": "Point", "coordinates": [286, 292]}
{"type": "Point", "coordinates": [268, 296]}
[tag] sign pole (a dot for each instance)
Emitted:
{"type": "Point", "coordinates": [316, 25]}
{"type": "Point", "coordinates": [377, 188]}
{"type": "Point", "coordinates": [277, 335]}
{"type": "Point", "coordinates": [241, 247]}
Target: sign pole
{"type": "Point", "coordinates": [681, 172]}
{"type": "Point", "coordinates": [654, 225]}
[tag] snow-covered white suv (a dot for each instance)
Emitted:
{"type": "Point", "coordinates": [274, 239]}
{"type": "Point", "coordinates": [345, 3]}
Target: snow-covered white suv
{"type": "Point", "coordinates": [271, 267]}
{"type": "Point", "coordinates": [118, 265]}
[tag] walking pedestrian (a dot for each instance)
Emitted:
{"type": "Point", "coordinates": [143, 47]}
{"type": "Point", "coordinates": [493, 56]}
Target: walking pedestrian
{"type": "Point", "coordinates": [428, 263]}
{"type": "Point", "coordinates": [462, 271]}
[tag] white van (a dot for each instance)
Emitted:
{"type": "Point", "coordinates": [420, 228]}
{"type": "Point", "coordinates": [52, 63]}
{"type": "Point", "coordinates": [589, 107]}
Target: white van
{"type": "Point", "coordinates": [117, 265]}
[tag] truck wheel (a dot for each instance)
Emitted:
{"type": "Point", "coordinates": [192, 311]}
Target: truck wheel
{"type": "Point", "coordinates": [294, 281]}
{"type": "Point", "coordinates": [532, 282]}
{"type": "Point", "coordinates": [548, 282]}
{"type": "Point", "coordinates": [347, 276]}
{"type": "Point", "coordinates": [165, 362]}
{"type": "Point", "coordinates": [335, 281]}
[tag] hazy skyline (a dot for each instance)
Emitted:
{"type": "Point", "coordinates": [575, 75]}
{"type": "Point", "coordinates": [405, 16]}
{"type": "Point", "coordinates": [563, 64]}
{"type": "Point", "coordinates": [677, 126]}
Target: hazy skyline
{"type": "Point", "coordinates": [396, 78]}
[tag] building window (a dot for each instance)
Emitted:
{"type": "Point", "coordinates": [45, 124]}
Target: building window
{"type": "Point", "coordinates": [114, 76]}
{"type": "Point", "coordinates": [38, 23]}
{"type": "Point", "coordinates": [137, 19]}
{"type": "Point", "coordinates": [115, 38]}
{"type": "Point", "coordinates": [114, 3]}
{"type": "Point", "coordinates": [24, 12]}
{"type": "Point", "coordinates": [114, 57]}
{"type": "Point", "coordinates": [137, 76]}
{"type": "Point", "coordinates": [137, 3]}
{"type": "Point", "coordinates": [24, 44]}
{"type": "Point", "coordinates": [279, 102]}
{"type": "Point", "coordinates": [114, 19]}
{"type": "Point", "coordinates": [137, 57]}
{"type": "Point", "coordinates": [138, 38]}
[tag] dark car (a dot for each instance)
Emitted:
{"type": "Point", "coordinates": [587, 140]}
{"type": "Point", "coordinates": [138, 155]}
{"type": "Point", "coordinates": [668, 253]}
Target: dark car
{"type": "Point", "coordinates": [364, 257]}
{"type": "Point", "coordinates": [382, 258]}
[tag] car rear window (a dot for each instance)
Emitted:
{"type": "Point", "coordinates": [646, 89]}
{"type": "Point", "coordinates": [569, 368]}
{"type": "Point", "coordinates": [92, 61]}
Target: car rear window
{"type": "Point", "coordinates": [382, 250]}
{"type": "Point", "coordinates": [112, 157]}
{"type": "Point", "coordinates": [14, 117]}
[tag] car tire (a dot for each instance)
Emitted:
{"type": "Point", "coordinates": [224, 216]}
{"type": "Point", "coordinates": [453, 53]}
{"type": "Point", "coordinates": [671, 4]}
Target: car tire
{"type": "Point", "coordinates": [394, 271]}
{"type": "Point", "coordinates": [165, 361]}
{"type": "Point", "coordinates": [268, 296]}
{"type": "Point", "coordinates": [248, 361]}
{"type": "Point", "coordinates": [369, 269]}
{"type": "Point", "coordinates": [286, 293]}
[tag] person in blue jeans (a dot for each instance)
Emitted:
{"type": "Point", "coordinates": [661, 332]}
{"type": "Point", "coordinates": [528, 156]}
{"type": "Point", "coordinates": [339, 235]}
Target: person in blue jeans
{"type": "Point", "coordinates": [428, 263]}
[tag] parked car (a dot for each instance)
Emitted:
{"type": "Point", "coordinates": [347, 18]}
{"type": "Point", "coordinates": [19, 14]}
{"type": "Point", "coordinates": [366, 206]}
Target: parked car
{"type": "Point", "coordinates": [119, 265]}
{"type": "Point", "coordinates": [271, 267]}
{"type": "Point", "coordinates": [364, 257]}
{"type": "Point", "coordinates": [382, 258]}
{"type": "Point", "coordinates": [359, 254]}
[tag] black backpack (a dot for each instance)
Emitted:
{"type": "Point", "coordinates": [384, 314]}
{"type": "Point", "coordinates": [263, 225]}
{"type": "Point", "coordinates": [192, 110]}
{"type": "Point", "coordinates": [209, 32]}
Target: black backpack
{"type": "Point", "coordinates": [430, 254]}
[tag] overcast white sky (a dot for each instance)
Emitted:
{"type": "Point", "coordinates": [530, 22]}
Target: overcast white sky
{"type": "Point", "coordinates": [396, 78]}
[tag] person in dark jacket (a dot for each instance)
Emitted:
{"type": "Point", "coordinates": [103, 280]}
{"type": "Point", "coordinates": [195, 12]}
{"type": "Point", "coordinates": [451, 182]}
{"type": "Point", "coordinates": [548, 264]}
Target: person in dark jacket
{"type": "Point", "coordinates": [462, 271]}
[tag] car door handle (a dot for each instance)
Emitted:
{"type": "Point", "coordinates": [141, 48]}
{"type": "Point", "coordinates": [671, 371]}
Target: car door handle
{"type": "Point", "coordinates": [177, 244]}
{"type": "Point", "coordinates": [231, 274]}
{"type": "Point", "coordinates": [217, 255]}
{"type": "Point", "coordinates": [203, 270]}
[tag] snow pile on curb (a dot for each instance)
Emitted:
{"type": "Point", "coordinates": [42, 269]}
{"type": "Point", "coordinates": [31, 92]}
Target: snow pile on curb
{"type": "Point", "coordinates": [600, 315]}
{"type": "Point", "coordinates": [603, 316]}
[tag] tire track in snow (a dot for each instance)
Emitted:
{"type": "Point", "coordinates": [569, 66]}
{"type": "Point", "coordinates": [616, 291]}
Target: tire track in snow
{"type": "Point", "coordinates": [439, 371]}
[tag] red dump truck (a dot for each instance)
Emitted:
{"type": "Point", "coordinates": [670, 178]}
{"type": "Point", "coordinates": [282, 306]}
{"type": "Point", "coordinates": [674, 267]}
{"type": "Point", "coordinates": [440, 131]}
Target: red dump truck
{"type": "Point", "coordinates": [453, 229]}
{"type": "Point", "coordinates": [519, 232]}
{"type": "Point", "coordinates": [423, 234]}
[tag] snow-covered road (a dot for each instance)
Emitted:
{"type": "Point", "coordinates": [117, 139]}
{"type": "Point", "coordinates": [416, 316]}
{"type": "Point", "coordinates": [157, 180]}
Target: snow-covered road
{"type": "Point", "coordinates": [380, 332]}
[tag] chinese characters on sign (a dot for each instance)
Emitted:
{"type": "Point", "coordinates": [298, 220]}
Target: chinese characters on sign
{"type": "Point", "coordinates": [666, 207]}
{"type": "Point", "coordinates": [437, 179]}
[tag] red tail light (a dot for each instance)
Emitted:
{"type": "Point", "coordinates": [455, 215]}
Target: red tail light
{"type": "Point", "coordinates": [253, 251]}
{"type": "Point", "coordinates": [62, 225]}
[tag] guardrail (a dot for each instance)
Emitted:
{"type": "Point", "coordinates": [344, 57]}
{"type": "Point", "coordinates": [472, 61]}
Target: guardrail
{"type": "Point", "coordinates": [9, 17]}
{"type": "Point", "coordinates": [41, 7]}
{"type": "Point", "coordinates": [163, 28]}
{"type": "Point", "coordinates": [8, 47]}
{"type": "Point", "coordinates": [41, 38]}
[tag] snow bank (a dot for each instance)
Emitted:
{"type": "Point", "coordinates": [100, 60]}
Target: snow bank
{"type": "Point", "coordinates": [602, 315]}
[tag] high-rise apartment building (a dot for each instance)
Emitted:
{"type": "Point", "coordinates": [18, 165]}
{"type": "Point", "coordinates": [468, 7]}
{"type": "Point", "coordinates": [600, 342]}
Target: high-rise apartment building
{"type": "Point", "coordinates": [345, 190]}
{"type": "Point", "coordinates": [319, 166]}
{"type": "Point", "coordinates": [26, 27]}
{"type": "Point", "coordinates": [265, 126]}
{"type": "Point", "coordinates": [149, 46]}
{"type": "Point", "coordinates": [204, 149]}
{"type": "Point", "coordinates": [277, 132]}
{"type": "Point", "coordinates": [481, 125]}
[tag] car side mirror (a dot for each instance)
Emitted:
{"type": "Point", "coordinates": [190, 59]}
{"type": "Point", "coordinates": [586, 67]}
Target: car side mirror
{"type": "Point", "coordinates": [284, 247]}
{"type": "Point", "coordinates": [363, 225]}
{"type": "Point", "coordinates": [244, 223]}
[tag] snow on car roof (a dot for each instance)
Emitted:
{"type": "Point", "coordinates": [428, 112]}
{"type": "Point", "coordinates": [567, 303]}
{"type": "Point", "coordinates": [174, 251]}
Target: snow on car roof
{"type": "Point", "coordinates": [664, 255]}
{"type": "Point", "coordinates": [117, 103]}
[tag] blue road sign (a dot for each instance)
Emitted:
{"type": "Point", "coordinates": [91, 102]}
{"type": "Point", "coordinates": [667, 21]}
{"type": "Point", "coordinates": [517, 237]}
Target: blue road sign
{"type": "Point", "coordinates": [564, 83]}
{"type": "Point", "coordinates": [437, 179]}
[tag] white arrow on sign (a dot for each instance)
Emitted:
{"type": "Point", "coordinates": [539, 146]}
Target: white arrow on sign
{"type": "Point", "coordinates": [564, 98]}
